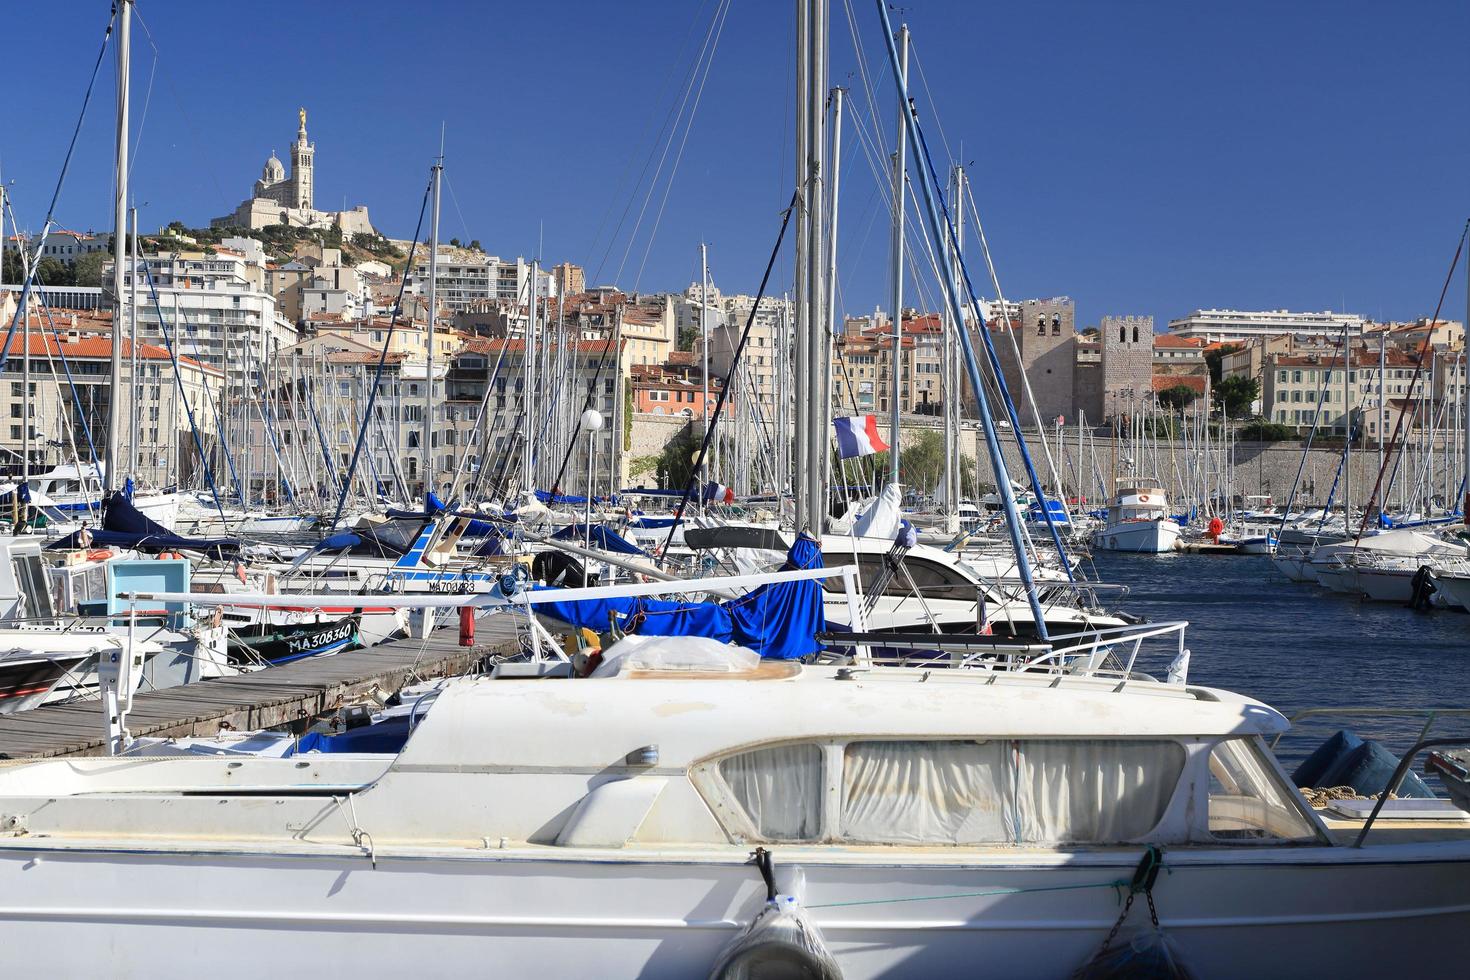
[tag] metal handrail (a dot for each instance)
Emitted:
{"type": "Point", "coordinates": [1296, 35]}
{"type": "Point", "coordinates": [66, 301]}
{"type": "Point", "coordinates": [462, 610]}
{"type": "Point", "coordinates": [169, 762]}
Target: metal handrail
{"type": "Point", "coordinates": [1399, 774]}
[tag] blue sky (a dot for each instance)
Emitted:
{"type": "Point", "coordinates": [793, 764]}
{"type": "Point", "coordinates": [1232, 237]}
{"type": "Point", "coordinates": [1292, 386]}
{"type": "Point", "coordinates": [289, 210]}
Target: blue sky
{"type": "Point", "coordinates": [1141, 157]}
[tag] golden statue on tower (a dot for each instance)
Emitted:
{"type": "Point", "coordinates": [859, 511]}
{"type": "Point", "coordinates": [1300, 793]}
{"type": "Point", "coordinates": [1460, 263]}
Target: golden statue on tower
{"type": "Point", "coordinates": [302, 113]}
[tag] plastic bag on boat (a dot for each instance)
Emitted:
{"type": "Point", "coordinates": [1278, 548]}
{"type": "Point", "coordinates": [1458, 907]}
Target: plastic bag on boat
{"type": "Point", "coordinates": [1142, 953]}
{"type": "Point", "coordinates": [676, 653]}
{"type": "Point", "coordinates": [779, 942]}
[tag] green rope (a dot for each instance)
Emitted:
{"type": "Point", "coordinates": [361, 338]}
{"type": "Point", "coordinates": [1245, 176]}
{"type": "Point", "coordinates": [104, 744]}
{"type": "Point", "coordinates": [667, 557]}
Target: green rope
{"type": "Point", "coordinates": [1120, 885]}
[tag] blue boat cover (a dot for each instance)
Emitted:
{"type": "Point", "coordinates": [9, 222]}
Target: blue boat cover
{"type": "Point", "coordinates": [124, 526]}
{"type": "Point", "coordinates": [779, 621]}
{"type": "Point", "coordinates": [603, 536]}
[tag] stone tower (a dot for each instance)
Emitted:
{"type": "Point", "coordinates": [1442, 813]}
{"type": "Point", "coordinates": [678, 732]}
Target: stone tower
{"type": "Point", "coordinates": [1127, 363]}
{"type": "Point", "coordinates": [302, 177]}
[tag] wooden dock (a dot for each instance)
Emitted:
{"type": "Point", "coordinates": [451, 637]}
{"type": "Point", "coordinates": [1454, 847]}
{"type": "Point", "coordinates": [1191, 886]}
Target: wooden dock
{"type": "Point", "coordinates": [295, 692]}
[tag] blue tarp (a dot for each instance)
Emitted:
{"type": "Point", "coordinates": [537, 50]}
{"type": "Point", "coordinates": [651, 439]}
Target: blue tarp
{"type": "Point", "coordinates": [124, 526]}
{"type": "Point", "coordinates": [1057, 509]}
{"type": "Point", "coordinates": [779, 621]}
{"type": "Point", "coordinates": [602, 536]}
{"type": "Point", "coordinates": [547, 497]}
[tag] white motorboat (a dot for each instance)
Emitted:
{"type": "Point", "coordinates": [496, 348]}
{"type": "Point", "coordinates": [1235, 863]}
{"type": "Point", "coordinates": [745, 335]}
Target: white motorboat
{"type": "Point", "coordinates": [1452, 585]}
{"type": "Point", "coordinates": [922, 821]}
{"type": "Point", "coordinates": [75, 492]}
{"type": "Point", "coordinates": [1138, 520]}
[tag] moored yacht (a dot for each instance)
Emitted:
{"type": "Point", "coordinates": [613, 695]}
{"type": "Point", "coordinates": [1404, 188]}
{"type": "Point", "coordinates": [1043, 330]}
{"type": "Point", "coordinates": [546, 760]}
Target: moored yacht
{"type": "Point", "coordinates": [922, 821]}
{"type": "Point", "coordinates": [1138, 520]}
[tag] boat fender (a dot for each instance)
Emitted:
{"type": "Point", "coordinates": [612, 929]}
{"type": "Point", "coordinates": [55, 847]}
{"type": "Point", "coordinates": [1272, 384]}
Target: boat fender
{"type": "Point", "coordinates": [1146, 952]}
{"type": "Point", "coordinates": [1421, 589]}
{"type": "Point", "coordinates": [780, 940]}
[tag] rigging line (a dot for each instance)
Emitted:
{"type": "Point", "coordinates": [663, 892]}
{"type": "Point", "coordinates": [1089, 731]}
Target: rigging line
{"type": "Point", "coordinates": [1418, 370]}
{"type": "Point", "coordinates": [189, 409]}
{"type": "Point", "coordinates": [464, 226]}
{"type": "Point", "coordinates": [147, 100]}
{"type": "Point", "coordinates": [34, 264]}
{"type": "Point", "coordinates": [652, 141]}
{"type": "Point", "coordinates": [992, 357]}
{"type": "Point", "coordinates": [1011, 329]}
{"type": "Point", "coordinates": [383, 358]}
{"type": "Point", "coordinates": [715, 23]}
{"type": "Point", "coordinates": [714, 419]}
{"type": "Point", "coordinates": [679, 158]}
{"type": "Point", "coordinates": [199, 141]}
{"type": "Point", "coordinates": [924, 80]}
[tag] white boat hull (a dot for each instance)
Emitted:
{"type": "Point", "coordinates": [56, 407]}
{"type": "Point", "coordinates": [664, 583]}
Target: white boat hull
{"type": "Point", "coordinates": [1147, 537]}
{"type": "Point", "coordinates": [190, 909]}
{"type": "Point", "coordinates": [1454, 590]}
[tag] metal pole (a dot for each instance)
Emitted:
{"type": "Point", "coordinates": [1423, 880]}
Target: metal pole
{"type": "Point", "coordinates": [428, 439]}
{"type": "Point", "coordinates": [821, 425]}
{"type": "Point", "coordinates": [528, 476]}
{"type": "Point", "coordinates": [119, 250]}
{"type": "Point", "coordinates": [896, 250]}
{"type": "Point", "coordinates": [704, 330]}
{"type": "Point", "coordinates": [133, 390]}
{"type": "Point", "coordinates": [819, 364]}
{"type": "Point", "coordinates": [801, 355]}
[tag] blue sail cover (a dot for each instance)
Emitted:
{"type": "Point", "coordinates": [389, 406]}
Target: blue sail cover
{"type": "Point", "coordinates": [779, 621]}
{"type": "Point", "coordinates": [124, 526]}
{"type": "Point", "coordinates": [602, 536]}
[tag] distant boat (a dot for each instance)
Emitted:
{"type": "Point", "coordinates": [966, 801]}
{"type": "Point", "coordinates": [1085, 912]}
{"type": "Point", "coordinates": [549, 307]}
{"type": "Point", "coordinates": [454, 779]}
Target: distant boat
{"type": "Point", "coordinates": [1138, 520]}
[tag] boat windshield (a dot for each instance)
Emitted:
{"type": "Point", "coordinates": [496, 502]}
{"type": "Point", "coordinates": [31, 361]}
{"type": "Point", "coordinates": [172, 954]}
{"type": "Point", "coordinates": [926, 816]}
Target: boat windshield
{"type": "Point", "coordinates": [1248, 799]}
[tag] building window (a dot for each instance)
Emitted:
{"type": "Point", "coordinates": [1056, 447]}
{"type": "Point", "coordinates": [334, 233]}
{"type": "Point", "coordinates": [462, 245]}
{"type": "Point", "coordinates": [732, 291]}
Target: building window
{"type": "Point", "coordinates": [1041, 326]}
{"type": "Point", "coordinates": [1122, 335]}
{"type": "Point", "coordinates": [1056, 326]}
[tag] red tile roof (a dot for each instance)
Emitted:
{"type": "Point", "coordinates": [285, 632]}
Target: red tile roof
{"type": "Point", "coordinates": [1195, 382]}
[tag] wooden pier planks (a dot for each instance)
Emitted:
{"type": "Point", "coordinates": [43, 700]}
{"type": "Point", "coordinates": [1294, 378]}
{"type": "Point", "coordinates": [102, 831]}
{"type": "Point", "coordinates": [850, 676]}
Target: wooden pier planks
{"type": "Point", "coordinates": [250, 701]}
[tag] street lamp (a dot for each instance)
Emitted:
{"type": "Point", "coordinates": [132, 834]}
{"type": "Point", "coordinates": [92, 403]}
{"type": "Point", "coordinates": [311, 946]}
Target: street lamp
{"type": "Point", "coordinates": [591, 424]}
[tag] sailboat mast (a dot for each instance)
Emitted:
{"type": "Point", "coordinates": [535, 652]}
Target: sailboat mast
{"type": "Point", "coordinates": [428, 439]}
{"type": "Point", "coordinates": [528, 473]}
{"type": "Point", "coordinates": [830, 324]}
{"type": "Point", "coordinates": [135, 415]}
{"type": "Point", "coordinates": [1465, 407]}
{"type": "Point", "coordinates": [896, 258]}
{"type": "Point", "coordinates": [119, 249]}
{"type": "Point", "coordinates": [704, 339]}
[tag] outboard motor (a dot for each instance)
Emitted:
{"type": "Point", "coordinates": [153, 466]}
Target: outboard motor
{"type": "Point", "coordinates": [1422, 590]}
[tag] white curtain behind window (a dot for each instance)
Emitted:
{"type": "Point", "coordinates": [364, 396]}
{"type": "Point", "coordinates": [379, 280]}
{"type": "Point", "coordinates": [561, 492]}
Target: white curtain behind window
{"type": "Point", "coordinates": [780, 788]}
{"type": "Point", "coordinates": [1093, 791]}
{"type": "Point", "coordinates": [926, 792]}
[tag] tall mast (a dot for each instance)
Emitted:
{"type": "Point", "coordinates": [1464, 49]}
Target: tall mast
{"type": "Point", "coordinates": [811, 325]}
{"type": "Point", "coordinates": [528, 474]}
{"type": "Point", "coordinates": [428, 439]}
{"type": "Point", "coordinates": [1347, 429]}
{"type": "Point", "coordinates": [801, 353]}
{"type": "Point", "coordinates": [1465, 406]}
{"type": "Point", "coordinates": [704, 334]}
{"type": "Point", "coordinates": [822, 425]}
{"type": "Point", "coordinates": [119, 245]}
{"type": "Point", "coordinates": [896, 258]}
{"type": "Point", "coordinates": [135, 414]}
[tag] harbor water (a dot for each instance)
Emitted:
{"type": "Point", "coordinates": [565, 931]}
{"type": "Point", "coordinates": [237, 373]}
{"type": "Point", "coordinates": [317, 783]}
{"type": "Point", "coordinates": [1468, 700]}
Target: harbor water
{"type": "Point", "coordinates": [1296, 646]}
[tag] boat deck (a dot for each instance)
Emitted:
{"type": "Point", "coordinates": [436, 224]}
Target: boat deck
{"type": "Point", "coordinates": [297, 691]}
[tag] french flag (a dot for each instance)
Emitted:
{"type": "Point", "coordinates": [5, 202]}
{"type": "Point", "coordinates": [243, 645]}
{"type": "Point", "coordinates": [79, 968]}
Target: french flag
{"type": "Point", "coordinates": [857, 435]}
{"type": "Point", "coordinates": [718, 493]}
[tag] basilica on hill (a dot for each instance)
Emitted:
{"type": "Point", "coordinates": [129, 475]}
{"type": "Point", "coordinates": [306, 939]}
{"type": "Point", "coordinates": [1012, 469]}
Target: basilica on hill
{"type": "Point", "coordinates": [286, 199]}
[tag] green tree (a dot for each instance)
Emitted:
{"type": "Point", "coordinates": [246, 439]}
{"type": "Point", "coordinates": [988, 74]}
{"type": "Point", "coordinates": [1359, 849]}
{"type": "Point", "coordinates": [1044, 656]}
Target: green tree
{"type": "Point", "coordinates": [1177, 398]}
{"type": "Point", "coordinates": [475, 244]}
{"type": "Point", "coordinates": [454, 242]}
{"type": "Point", "coordinates": [921, 462]}
{"type": "Point", "coordinates": [676, 462]}
{"type": "Point", "coordinates": [87, 269]}
{"type": "Point", "coordinates": [1214, 358]}
{"type": "Point", "coordinates": [1234, 395]}
{"type": "Point", "coordinates": [53, 272]}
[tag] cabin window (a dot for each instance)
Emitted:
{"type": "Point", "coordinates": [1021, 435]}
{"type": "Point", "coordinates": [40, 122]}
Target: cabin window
{"type": "Point", "coordinates": [779, 788]}
{"type": "Point", "coordinates": [926, 793]}
{"type": "Point", "coordinates": [1075, 791]}
{"type": "Point", "coordinates": [1248, 799]}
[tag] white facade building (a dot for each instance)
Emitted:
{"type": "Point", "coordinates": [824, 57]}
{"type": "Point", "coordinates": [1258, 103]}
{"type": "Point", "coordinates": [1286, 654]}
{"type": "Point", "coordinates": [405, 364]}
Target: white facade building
{"type": "Point", "coordinates": [1234, 325]}
{"type": "Point", "coordinates": [467, 277]}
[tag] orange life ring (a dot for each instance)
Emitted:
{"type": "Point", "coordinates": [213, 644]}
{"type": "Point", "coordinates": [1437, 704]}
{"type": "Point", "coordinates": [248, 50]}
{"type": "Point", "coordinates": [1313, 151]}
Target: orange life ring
{"type": "Point", "coordinates": [99, 554]}
{"type": "Point", "coordinates": [1143, 498]}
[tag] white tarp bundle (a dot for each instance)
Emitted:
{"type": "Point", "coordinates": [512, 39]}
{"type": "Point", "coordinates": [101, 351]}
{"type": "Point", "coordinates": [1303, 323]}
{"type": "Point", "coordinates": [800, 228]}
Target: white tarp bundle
{"type": "Point", "coordinates": [882, 518]}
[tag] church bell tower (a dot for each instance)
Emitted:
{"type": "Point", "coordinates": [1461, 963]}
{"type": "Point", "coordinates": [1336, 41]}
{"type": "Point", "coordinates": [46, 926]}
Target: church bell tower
{"type": "Point", "coordinates": [302, 177]}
